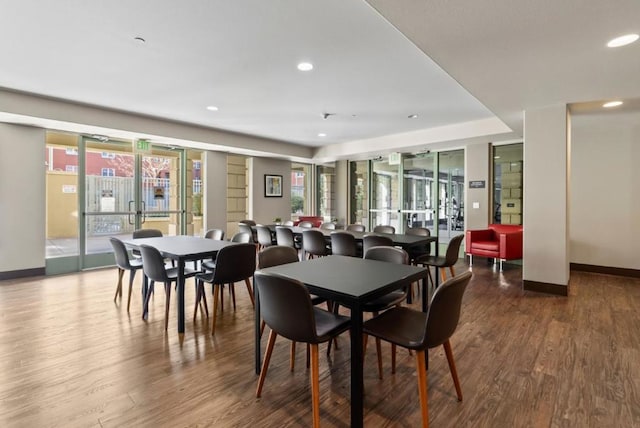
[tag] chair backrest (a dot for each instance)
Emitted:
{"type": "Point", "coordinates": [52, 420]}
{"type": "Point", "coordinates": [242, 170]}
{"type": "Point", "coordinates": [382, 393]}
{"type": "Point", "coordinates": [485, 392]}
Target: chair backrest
{"type": "Point", "coordinates": [288, 223]}
{"type": "Point", "coordinates": [418, 250]}
{"type": "Point", "coordinates": [328, 226]}
{"type": "Point", "coordinates": [241, 237]}
{"type": "Point", "coordinates": [444, 310]}
{"type": "Point", "coordinates": [153, 264]}
{"type": "Point", "coordinates": [264, 235]}
{"type": "Point", "coordinates": [384, 229]}
{"type": "Point", "coordinates": [356, 227]}
{"type": "Point", "coordinates": [284, 236]}
{"type": "Point", "coordinates": [388, 254]}
{"type": "Point", "coordinates": [418, 231]}
{"type": "Point", "coordinates": [286, 307]}
{"type": "Point", "coordinates": [305, 224]}
{"type": "Point", "coordinates": [343, 244]}
{"type": "Point", "coordinates": [453, 250]}
{"type": "Point", "coordinates": [120, 252]}
{"type": "Point", "coordinates": [146, 233]}
{"type": "Point", "coordinates": [277, 255]}
{"type": "Point", "coordinates": [248, 222]}
{"type": "Point", "coordinates": [313, 242]}
{"type": "Point", "coordinates": [217, 234]}
{"type": "Point", "coordinates": [369, 241]}
{"type": "Point", "coordinates": [234, 263]}
{"type": "Point", "coordinates": [245, 228]}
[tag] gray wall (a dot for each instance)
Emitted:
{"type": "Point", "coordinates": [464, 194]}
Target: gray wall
{"type": "Point", "coordinates": [22, 198]}
{"type": "Point", "coordinates": [215, 199]}
{"type": "Point", "coordinates": [265, 210]}
{"type": "Point", "coordinates": [477, 158]}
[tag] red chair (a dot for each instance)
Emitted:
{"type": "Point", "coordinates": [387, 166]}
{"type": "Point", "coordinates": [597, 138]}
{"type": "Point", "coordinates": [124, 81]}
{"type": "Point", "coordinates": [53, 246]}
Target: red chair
{"type": "Point", "coordinates": [500, 241]}
{"type": "Point", "coordinates": [315, 220]}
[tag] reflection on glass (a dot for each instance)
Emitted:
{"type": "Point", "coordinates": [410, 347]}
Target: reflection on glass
{"type": "Point", "coordinates": [419, 191]}
{"type": "Point", "coordinates": [384, 194]}
{"type": "Point", "coordinates": [326, 175]}
{"type": "Point", "coordinates": [451, 193]}
{"type": "Point", "coordinates": [359, 192]}
{"type": "Point", "coordinates": [507, 183]}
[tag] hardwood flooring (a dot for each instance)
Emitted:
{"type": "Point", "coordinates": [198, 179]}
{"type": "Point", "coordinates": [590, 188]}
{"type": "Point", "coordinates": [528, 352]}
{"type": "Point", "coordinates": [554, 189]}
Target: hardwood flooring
{"type": "Point", "coordinates": [71, 357]}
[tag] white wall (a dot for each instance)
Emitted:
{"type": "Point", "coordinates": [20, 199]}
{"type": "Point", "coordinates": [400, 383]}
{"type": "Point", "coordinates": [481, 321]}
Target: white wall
{"type": "Point", "coordinates": [545, 203]}
{"type": "Point", "coordinates": [265, 210]}
{"type": "Point", "coordinates": [22, 198]}
{"type": "Point", "coordinates": [605, 190]}
{"type": "Point", "coordinates": [477, 158]}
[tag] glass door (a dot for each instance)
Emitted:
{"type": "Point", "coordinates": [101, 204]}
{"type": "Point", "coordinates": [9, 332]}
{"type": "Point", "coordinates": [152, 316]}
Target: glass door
{"type": "Point", "coordinates": [451, 194]}
{"type": "Point", "coordinates": [385, 195]}
{"type": "Point", "coordinates": [419, 191]}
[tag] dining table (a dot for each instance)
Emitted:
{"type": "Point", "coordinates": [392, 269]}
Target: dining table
{"type": "Point", "coordinates": [351, 282]}
{"type": "Point", "coordinates": [181, 249]}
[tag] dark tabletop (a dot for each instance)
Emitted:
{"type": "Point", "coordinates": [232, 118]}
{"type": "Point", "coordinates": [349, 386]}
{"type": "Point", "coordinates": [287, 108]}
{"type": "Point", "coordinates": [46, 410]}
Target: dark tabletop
{"type": "Point", "coordinates": [185, 247]}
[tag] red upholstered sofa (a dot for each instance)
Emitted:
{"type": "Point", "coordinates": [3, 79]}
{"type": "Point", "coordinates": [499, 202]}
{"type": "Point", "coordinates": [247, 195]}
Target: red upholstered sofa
{"type": "Point", "coordinates": [500, 241]}
{"type": "Point", "coordinates": [316, 220]}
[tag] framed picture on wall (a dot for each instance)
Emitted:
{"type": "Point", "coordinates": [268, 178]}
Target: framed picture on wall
{"type": "Point", "coordinates": [272, 186]}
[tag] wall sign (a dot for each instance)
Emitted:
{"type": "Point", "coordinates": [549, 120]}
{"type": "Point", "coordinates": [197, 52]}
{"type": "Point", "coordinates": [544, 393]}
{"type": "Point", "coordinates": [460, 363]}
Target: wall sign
{"type": "Point", "coordinates": [477, 184]}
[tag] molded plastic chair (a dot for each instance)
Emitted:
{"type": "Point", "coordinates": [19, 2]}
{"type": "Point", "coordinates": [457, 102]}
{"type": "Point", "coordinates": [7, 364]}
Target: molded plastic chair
{"type": "Point", "coordinates": [248, 222]}
{"type": "Point", "coordinates": [241, 237]}
{"type": "Point", "coordinates": [124, 263]}
{"type": "Point", "coordinates": [448, 261]}
{"type": "Point", "coordinates": [233, 263]}
{"type": "Point", "coordinates": [369, 241]}
{"type": "Point", "coordinates": [264, 236]}
{"type": "Point", "coordinates": [286, 308]}
{"type": "Point", "coordinates": [328, 226]}
{"type": "Point", "coordinates": [343, 244]}
{"type": "Point", "coordinates": [305, 224]}
{"type": "Point", "coordinates": [245, 228]}
{"type": "Point", "coordinates": [356, 228]}
{"type": "Point", "coordinates": [154, 268]}
{"type": "Point", "coordinates": [288, 223]}
{"type": "Point", "coordinates": [419, 331]}
{"type": "Point", "coordinates": [284, 237]}
{"type": "Point", "coordinates": [144, 233]}
{"type": "Point", "coordinates": [217, 234]}
{"type": "Point", "coordinates": [314, 244]}
{"type": "Point", "coordinates": [384, 229]}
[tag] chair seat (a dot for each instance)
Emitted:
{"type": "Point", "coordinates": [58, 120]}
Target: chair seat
{"type": "Point", "coordinates": [385, 302]}
{"type": "Point", "coordinates": [431, 260]}
{"type": "Point", "coordinates": [402, 326]}
{"type": "Point", "coordinates": [135, 263]}
{"type": "Point", "coordinates": [329, 325]}
{"type": "Point", "coordinates": [209, 264]}
{"type": "Point", "coordinates": [172, 273]}
{"type": "Point", "coordinates": [486, 245]}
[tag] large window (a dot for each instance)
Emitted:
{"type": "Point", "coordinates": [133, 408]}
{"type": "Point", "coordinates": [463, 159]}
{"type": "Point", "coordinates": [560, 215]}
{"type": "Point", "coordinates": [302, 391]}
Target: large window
{"type": "Point", "coordinates": [326, 179]}
{"type": "Point", "coordinates": [507, 184]}
{"type": "Point", "coordinates": [359, 192]}
{"type": "Point", "coordinates": [300, 190]}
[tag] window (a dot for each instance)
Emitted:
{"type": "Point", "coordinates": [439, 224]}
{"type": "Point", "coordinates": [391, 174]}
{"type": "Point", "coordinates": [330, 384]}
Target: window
{"type": "Point", "coordinates": [107, 155]}
{"type": "Point", "coordinates": [71, 151]}
{"type": "Point", "coordinates": [71, 168]}
{"type": "Point", "coordinates": [507, 184]}
{"type": "Point", "coordinates": [197, 164]}
{"type": "Point", "coordinates": [326, 191]}
{"type": "Point", "coordinates": [300, 189]}
{"type": "Point", "coordinates": [108, 172]}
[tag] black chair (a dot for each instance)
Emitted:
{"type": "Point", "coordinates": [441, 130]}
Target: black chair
{"type": "Point", "coordinates": [343, 244]}
{"type": "Point", "coordinates": [448, 261]}
{"type": "Point", "coordinates": [286, 308]}
{"type": "Point", "coordinates": [241, 238]}
{"type": "Point", "coordinates": [384, 229]}
{"type": "Point", "coordinates": [418, 251]}
{"type": "Point", "coordinates": [124, 263]}
{"type": "Point", "coordinates": [154, 268]}
{"type": "Point", "coordinates": [356, 228]}
{"type": "Point", "coordinates": [284, 237]}
{"type": "Point", "coordinates": [264, 236]}
{"type": "Point", "coordinates": [420, 331]}
{"type": "Point", "coordinates": [314, 244]}
{"type": "Point", "coordinates": [369, 241]}
{"type": "Point", "coordinates": [233, 263]}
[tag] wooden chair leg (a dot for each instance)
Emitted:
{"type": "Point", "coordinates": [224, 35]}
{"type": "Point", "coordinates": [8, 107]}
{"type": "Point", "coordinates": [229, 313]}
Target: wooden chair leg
{"type": "Point", "coordinates": [232, 290]}
{"type": "Point", "coordinates": [132, 275]}
{"type": "Point", "coordinates": [292, 355]}
{"type": "Point", "coordinates": [216, 294]}
{"type": "Point", "coordinates": [443, 275]}
{"type": "Point", "coordinates": [167, 288]}
{"type": "Point", "coordinates": [308, 355]}
{"type": "Point", "coordinates": [265, 362]}
{"type": "Point", "coordinates": [422, 387]}
{"type": "Point", "coordinates": [393, 358]}
{"type": "Point", "coordinates": [119, 285]}
{"type": "Point", "coordinates": [452, 271]}
{"type": "Point", "coordinates": [452, 367]}
{"type": "Point", "coordinates": [262, 326]}
{"type": "Point", "coordinates": [315, 385]}
{"type": "Point", "coordinates": [379, 352]}
{"type": "Point", "coordinates": [250, 291]}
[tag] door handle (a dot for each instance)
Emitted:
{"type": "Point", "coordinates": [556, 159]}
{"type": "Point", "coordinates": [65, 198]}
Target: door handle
{"type": "Point", "coordinates": [131, 219]}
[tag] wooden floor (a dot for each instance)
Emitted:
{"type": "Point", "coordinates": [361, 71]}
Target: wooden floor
{"type": "Point", "coordinates": [71, 357]}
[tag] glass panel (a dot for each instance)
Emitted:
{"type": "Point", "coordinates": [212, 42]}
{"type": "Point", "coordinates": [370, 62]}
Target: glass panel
{"type": "Point", "coordinates": [451, 194]}
{"type": "Point", "coordinates": [508, 167]}
{"type": "Point", "coordinates": [419, 191]}
{"type": "Point", "coordinates": [61, 162]}
{"type": "Point", "coordinates": [300, 190]}
{"type": "Point", "coordinates": [326, 175]}
{"type": "Point", "coordinates": [160, 191]}
{"type": "Point", "coordinates": [359, 191]}
{"type": "Point", "coordinates": [384, 194]}
{"type": "Point", "coordinates": [108, 197]}
{"type": "Point", "coordinates": [194, 225]}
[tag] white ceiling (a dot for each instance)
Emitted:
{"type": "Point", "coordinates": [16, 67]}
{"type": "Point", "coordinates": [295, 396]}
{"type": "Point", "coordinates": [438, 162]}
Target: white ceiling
{"type": "Point", "coordinates": [241, 56]}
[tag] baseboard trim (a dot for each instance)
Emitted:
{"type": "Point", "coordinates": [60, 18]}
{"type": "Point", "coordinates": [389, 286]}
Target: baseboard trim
{"type": "Point", "coordinates": [607, 270]}
{"type": "Point", "coordinates": [545, 287]}
{"type": "Point", "coordinates": [23, 273]}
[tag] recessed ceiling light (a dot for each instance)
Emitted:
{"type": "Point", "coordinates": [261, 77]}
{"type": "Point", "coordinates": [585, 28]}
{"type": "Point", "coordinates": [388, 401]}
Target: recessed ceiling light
{"type": "Point", "coordinates": [623, 40]}
{"type": "Point", "coordinates": [413, 116]}
{"type": "Point", "coordinates": [322, 134]}
{"type": "Point", "coordinates": [305, 66]}
{"type": "Point", "coordinates": [140, 40]}
{"type": "Point", "coordinates": [212, 108]}
{"type": "Point", "coordinates": [612, 104]}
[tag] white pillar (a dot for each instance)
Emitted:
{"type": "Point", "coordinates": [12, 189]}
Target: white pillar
{"type": "Point", "coordinates": [477, 212]}
{"type": "Point", "coordinates": [214, 179]}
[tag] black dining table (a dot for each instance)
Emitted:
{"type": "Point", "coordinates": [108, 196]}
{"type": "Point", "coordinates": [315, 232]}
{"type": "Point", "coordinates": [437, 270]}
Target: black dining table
{"type": "Point", "coordinates": [182, 249]}
{"type": "Point", "coordinates": [351, 282]}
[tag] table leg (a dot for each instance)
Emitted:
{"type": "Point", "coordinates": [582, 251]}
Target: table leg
{"type": "Point", "coordinates": [357, 377]}
{"type": "Point", "coordinates": [180, 293]}
{"type": "Point", "coordinates": [145, 291]}
{"type": "Point", "coordinates": [256, 298]}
